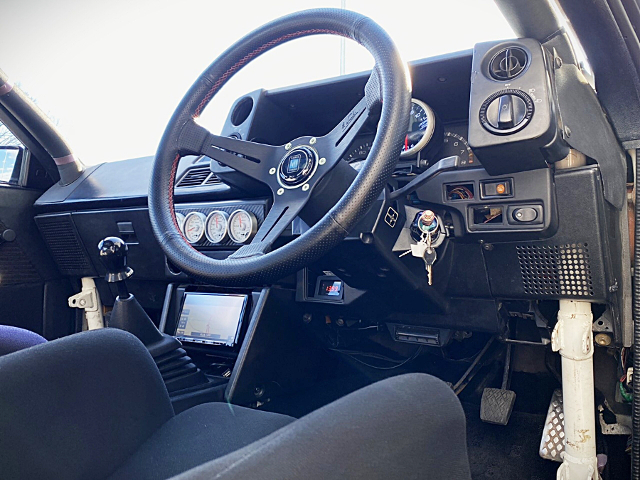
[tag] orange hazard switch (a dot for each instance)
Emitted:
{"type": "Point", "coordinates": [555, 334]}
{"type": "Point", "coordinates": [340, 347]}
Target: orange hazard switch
{"type": "Point", "coordinates": [500, 188]}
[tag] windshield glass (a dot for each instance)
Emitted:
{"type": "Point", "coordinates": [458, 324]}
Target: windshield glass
{"type": "Point", "coordinates": [111, 73]}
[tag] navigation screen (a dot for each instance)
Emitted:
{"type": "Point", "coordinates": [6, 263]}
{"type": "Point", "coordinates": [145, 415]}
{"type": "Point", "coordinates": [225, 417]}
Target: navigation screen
{"type": "Point", "coordinates": [211, 318]}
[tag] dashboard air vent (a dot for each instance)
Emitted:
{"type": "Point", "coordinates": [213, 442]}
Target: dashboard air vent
{"type": "Point", "coordinates": [508, 63]}
{"type": "Point", "coordinates": [197, 177]}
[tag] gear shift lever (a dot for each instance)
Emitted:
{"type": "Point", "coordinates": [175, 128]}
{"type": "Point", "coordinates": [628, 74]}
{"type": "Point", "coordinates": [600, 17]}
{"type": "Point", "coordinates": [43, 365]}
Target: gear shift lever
{"type": "Point", "coordinates": [113, 254]}
{"type": "Point", "coordinates": [175, 366]}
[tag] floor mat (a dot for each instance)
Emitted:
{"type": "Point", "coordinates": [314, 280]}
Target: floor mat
{"type": "Point", "coordinates": [509, 452]}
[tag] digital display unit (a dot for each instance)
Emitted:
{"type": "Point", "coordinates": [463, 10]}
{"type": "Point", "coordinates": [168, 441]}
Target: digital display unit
{"type": "Point", "coordinates": [211, 318]}
{"type": "Point", "coordinates": [330, 288]}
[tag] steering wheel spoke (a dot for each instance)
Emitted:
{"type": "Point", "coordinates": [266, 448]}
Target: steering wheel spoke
{"type": "Point", "coordinates": [338, 140]}
{"type": "Point", "coordinates": [252, 159]}
{"type": "Point", "coordinates": [277, 220]}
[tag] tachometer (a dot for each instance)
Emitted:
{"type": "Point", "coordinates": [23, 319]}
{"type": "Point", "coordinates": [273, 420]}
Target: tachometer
{"type": "Point", "coordinates": [194, 227]}
{"type": "Point", "coordinates": [422, 125]}
{"type": "Point", "coordinates": [455, 144]}
{"type": "Point", "coordinates": [358, 154]}
{"type": "Point", "coordinates": [217, 226]}
{"type": "Point", "coordinates": [243, 226]}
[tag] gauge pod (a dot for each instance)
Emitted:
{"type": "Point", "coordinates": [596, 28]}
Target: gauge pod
{"type": "Point", "coordinates": [217, 226]}
{"type": "Point", "coordinates": [194, 227]}
{"type": "Point", "coordinates": [243, 226]}
{"type": "Point", "coordinates": [422, 126]}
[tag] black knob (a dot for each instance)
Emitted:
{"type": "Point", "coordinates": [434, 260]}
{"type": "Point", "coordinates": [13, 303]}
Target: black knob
{"type": "Point", "coordinates": [506, 112]}
{"type": "Point", "coordinates": [113, 254]}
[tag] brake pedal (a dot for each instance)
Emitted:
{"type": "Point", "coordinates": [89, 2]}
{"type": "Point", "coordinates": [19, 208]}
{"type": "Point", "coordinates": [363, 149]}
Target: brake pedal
{"type": "Point", "coordinates": [497, 403]}
{"type": "Point", "coordinates": [552, 443]}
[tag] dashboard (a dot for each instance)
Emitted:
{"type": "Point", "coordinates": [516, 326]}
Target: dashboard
{"type": "Point", "coordinates": [506, 213]}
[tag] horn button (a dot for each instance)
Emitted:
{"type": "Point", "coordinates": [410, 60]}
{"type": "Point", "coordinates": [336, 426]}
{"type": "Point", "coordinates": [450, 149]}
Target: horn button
{"type": "Point", "coordinates": [297, 166]}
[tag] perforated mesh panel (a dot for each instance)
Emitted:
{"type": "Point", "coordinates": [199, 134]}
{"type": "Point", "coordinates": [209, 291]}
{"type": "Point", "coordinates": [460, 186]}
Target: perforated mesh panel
{"type": "Point", "coordinates": [558, 270]}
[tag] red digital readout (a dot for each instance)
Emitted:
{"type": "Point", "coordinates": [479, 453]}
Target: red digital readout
{"type": "Point", "coordinates": [332, 288]}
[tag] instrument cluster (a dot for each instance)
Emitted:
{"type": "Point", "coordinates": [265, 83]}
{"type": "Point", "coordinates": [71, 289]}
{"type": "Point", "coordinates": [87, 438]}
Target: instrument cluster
{"type": "Point", "coordinates": [427, 141]}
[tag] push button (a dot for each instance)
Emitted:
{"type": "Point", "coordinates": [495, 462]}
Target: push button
{"type": "Point", "coordinates": [500, 188]}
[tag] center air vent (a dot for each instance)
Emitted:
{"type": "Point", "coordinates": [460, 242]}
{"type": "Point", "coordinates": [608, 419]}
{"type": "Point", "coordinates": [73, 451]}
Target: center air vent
{"type": "Point", "coordinates": [508, 63]}
{"type": "Point", "coordinates": [197, 177]}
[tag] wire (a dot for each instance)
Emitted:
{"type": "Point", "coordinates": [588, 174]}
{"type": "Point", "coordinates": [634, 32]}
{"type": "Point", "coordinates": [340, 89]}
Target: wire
{"type": "Point", "coordinates": [354, 357]}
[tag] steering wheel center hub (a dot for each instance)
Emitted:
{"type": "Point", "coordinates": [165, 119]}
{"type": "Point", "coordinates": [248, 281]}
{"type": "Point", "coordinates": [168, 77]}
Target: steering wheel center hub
{"type": "Point", "coordinates": [297, 166]}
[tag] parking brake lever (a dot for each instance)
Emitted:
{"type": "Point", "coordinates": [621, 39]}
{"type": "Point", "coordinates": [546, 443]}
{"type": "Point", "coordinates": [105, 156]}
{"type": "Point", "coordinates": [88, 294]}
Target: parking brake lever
{"type": "Point", "coordinates": [444, 165]}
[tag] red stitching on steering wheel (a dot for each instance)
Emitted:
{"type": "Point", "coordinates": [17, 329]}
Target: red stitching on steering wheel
{"type": "Point", "coordinates": [258, 51]}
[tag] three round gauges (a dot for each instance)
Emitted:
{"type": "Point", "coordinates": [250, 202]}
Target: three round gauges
{"type": "Point", "coordinates": [218, 226]}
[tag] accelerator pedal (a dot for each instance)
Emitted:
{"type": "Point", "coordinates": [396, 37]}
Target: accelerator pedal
{"type": "Point", "coordinates": [497, 403]}
{"type": "Point", "coordinates": [553, 440]}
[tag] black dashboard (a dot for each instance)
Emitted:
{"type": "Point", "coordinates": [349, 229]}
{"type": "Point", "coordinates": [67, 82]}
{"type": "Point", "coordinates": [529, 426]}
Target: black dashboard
{"type": "Point", "coordinates": [508, 213]}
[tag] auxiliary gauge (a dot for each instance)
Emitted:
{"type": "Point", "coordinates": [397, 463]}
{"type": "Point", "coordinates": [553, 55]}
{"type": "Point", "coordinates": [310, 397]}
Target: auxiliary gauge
{"type": "Point", "coordinates": [194, 227]}
{"type": "Point", "coordinates": [243, 226]}
{"type": "Point", "coordinates": [422, 129]}
{"type": "Point", "coordinates": [217, 226]}
{"type": "Point", "coordinates": [180, 218]}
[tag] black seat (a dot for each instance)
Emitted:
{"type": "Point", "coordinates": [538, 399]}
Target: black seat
{"type": "Point", "coordinates": [93, 405]}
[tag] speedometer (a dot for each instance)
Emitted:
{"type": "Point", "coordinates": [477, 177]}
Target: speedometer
{"type": "Point", "coordinates": [422, 124]}
{"type": "Point", "coordinates": [194, 227]}
{"type": "Point", "coordinates": [217, 226]}
{"type": "Point", "coordinates": [243, 226]}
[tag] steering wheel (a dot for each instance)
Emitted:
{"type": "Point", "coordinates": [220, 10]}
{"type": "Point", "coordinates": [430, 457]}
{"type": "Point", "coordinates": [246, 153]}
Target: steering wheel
{"type": "Point", "coordinates": [291, 171]}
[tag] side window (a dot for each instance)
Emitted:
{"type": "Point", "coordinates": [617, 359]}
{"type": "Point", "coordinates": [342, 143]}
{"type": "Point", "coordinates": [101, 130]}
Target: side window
{"type": "Point", "coordinates": [11, 151]}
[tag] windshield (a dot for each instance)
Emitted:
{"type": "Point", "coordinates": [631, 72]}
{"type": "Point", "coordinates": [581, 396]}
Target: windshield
{"type": "Point", "coordinates": [111, 73]}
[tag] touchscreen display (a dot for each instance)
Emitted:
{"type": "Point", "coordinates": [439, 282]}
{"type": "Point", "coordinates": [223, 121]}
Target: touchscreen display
{"type": "Point", "coordinates": [211, 318]}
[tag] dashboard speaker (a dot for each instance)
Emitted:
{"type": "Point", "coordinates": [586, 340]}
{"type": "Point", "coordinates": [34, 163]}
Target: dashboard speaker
{"type": "Point", "coordinates": [560, 270]}
{"type": "Point", "coordinates": [60, 235]}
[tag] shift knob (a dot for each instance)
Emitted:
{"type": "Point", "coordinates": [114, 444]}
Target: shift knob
{"type": "Point", "coordinates": [113, 254]}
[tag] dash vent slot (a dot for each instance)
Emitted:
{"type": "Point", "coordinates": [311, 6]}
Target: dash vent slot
{"type": "Point", "coordinates": [559, 270]}
{"type": "Point", "coordinates": [197, 177]}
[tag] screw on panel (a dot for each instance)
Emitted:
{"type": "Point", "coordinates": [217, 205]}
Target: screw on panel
{"type": "Point", "coordinates": [287, 146]}
{"type": "Point", "coordinates": [322, 161]}
{"type": "Point", "coordinates": [312, 140]}
{"type": "Point", "coordinates": [306, 318]}
{"type": "Point", "coordinates": [272, 171]}
{"type": "Point", "coordinates": [305, 187]}
{"type": "Point", "coordinates": [280, 191]}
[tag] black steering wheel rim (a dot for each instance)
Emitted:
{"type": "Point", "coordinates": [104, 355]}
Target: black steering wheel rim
{"type": "Point", "coordinates": [255, 264]}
